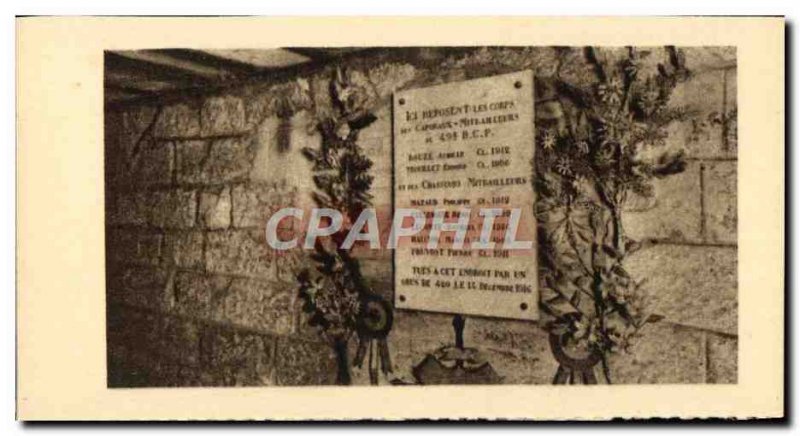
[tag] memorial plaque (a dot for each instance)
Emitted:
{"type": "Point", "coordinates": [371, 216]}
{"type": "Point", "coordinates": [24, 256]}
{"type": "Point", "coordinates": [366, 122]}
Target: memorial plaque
{"type": "Point", "coordinates": [467, 147]}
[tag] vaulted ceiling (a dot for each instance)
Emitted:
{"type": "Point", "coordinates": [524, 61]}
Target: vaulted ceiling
{"type": "Point", "coordinates": [134, 74]}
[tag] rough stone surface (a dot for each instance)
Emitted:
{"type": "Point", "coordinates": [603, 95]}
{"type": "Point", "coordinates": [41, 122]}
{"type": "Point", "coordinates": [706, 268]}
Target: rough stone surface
{"type": "Point", "coordinates": [213, 161]}
{"type": "Point", "coordinates": [129, 208]}
{"type": "Point", "coordinates": [305, 362]}
{"type": "Point", "coordinates": [690, 285]}
{"type": "Point", "coordinates": [148, 162]}
{"type": "Point", "coordinates": [673, 213]}
{"type": "Point", "coordinates": [222, 116]}
{"type": "Point", "coordinates": [710, 58]}
{"type": "Point", "coordinates": [177, 340]}
{"type": "Point", "coordinates": [172, 209]}
{"type": "Point", "coordinates": [382, 126]}
{"type": "Point", "coordinates": [121, 245]}
{"type": "Point", "coordinates": [254, 204]}
{"type": "Point", "coordinates": [190, 158]}
{"type": "Point", "coordinates": [722, 359]}
{"type": "Point", "coordinates": [149, 247]}
{"type": "Point", "coordinates": [288, 263]}
{"type": "Point", "coordinates": [664, 353]}
{"type": "Point", "coordinates": [703, 98]}
{"type": "Point", "coordinates": [177, 121]}
{"type": "Point", "coordinates": [720, 202]}
{"type": "Point", "coordinates": [215, 208]}
{"type": "Point", "coordinates": [391, 77]}
{"type": "Point", "coordinates": [195, 294]}
{"type": "Point", "coordinates": [731, 110]}
{"type": "Point", "coordinates": [151, 349]}
{"type": "Point", "coordinates": [277, 143]}
{"type": "Point", "coordinates": [242, 252]}
{"type": "Point", "coordinates": [232, 358]}
{"type": "Point", "coordinates": [265, 306]}
{"type": "Point", "coordinates": [183, 249]}
{"type": "Point", "coordinates": [128, 246]}
{"type": "Point", "coordinates": [379, 150]}
{"type": "Point", "coordinates": [140, 286]}
{"type": "Point", "coordinates": [155, 163]}
{"type": "Point", "coordinates": [135, 123]}
{"type": "Point", "coordinates": [129, 347]}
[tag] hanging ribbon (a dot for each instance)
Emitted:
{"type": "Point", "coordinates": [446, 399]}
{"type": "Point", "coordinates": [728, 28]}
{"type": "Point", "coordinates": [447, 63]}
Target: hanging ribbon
{"type": "Point", "coordinates": [571, 370]}
{"type": "Point", "coordinates": [373, 324]}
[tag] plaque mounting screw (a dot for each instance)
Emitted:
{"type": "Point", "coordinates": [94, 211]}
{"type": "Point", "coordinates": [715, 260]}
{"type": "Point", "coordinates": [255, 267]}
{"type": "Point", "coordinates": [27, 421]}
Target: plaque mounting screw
{"type": "Point", "coordinates": [517, 84]}
{"type": "Point", "coordinates": [523, 306]}
{"type": "Point", "coordinates": [402, 298]}
{"type": "Point", "coordinates": [401, 102]}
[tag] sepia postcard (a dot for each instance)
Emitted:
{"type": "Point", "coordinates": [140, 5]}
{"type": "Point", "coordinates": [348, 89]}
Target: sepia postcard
{"type": "Point", "coordinates": [393, 218]}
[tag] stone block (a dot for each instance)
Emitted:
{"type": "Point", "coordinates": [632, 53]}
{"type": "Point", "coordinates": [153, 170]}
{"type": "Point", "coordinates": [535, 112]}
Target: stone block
{"type": "Point", "coordinates": [222, 116]}
{"type": "Point", "coordinates": [172, 208]}
{"type": "Point", "coordinates": [122, 247]}
{"type": "Point", "coordinates": [168, 374]}
{"type": "Point", "coordinates": [690, 285]}
{"type": "Point", "coordinates": [195, 293]}
{"type": "Point", "coordinates": [257, 107]}
{"type": "Point", "coordinates": [301, 362]}
{"type": "Point", "coordinates": [130, 328]}
{"type": "Point", "coordinates": [239, 252]}
{"type": "Point", "coordinates": [135, 122]}
{"type": "Point", "coordinates": [234, 358]}
{"type": "Point", "coordinates": [720, 201]}
{"type": "Point", "coordinates": [277, 144]}
{"type": "Point", "coordinates": [674, 211]}
{"type": "Point", "coordinates": [379, 150]}
{"type": "Point", "coordinates": [140, 286]}
{"type": "Point", "coordinates": [664, 353]}
{"type": "Point", "coordinates": [284, 98]}
{"type": "Point", "coordinates": [119, 371]}
{"type": "Point", "coordinates": [722, 359]}
{"type": "Point", "coordinates": [154, 164]}
{"type": "Point", "coordinates": [191, 156]}
{"type": "Point", "coordinates": [178, 340]}
{"type": "Point", "coordinates": [391, 77]}
{"type": "Point", "coordinates": [256, 304]}
{"type": "Point", "coordinates": [128, 208]}
{"type": "Point", "coordinates": [230, 160]}
{"type": "Point", "coordinates": [709, 58]}
{"type": "Point", "coordinates": [121, 244]}
{"type": "Point", "coordinates": [213, 161]}
{"type": "Point", "coordinates": [117, 151]}
{"type": "Point", "coordinates": [288, 263]}
{"type": "Point", "coordinates": [702, 97]}
{"type": "Point", "coordinates": [151, 349]}
{"type": "Point", "coordinates": [177, 121]}
{"type": "Point", "coordinates": [381, 127]}
{"type": "Point", "coordinates": [149, 246]}
{"type": "Point", "coordinates": [730, 123]}
{"type": "Point", "coordinates": [130, 358]}
{"type": "Point", "coordinates": [215, 208]}
{"type": "Point", "coordinates": [183, 249]}
{"type": "Point", "coordinates": [254, 204]}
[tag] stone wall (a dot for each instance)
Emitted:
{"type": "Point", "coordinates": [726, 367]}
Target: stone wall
{"type": "Point", "coordinates": [196, 297]}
